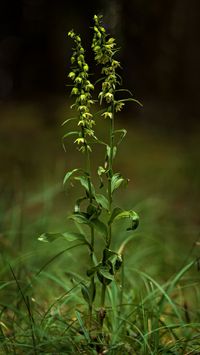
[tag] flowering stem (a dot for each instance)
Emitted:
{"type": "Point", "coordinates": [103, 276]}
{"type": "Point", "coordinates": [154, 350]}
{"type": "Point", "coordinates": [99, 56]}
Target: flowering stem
{"type": "Point", "coordinates": [110, 174]}
{"type": "Point", "coordinates": [88, 169]}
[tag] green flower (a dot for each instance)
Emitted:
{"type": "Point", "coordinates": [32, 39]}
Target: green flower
{"type": "Point", "coordinates": [104, 48]}
{"type": "Point", "coordinates": [119, 106]}
{"type": "Point", "coordinates": [107, 115]}
{"type": "Point", "coordinates": [81, 89]}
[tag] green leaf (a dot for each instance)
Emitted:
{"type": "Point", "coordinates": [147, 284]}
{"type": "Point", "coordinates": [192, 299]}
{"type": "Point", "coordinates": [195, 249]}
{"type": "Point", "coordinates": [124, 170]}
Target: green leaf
{"type": "Point", "coordinates": [80, 217]}
{"type": "Point", "coordinates": [92, 270]}
{"type": "Point", "coordinates": [78, 202]}
{"type": "Point", "coordinates": [57, 255]}
{"type": "Point", "coordinates": [104, 270]}
{"type": "Point", "coordinates": [109, 150]}
{"type": "Point", "coordinates": [70, 173]}
{"type": "Point", "coordinates": [94, 140]}
{"type": "Point", "coordinates": [131, 215]}
{"type": "Point", "coordinates": [118, 262]}
{"type": "Point", "coordinates": [69, 120]}
{"type": "Point", "coordinates": [83, 328]}
{"type": "Point", "coordinates": [123, 133]}
{"type": "Point", "coordinates": [110, 256]}
{"type": "Point", "coordinates": [125, 242]}
{"type": "Point", "coordinates": [131, 99]}
{"type": "Point", "coordinates": [116, 181]}
{"type": "Point", "coordinates": [93, 212]}
{"type": "Point", "coordinates": [102, 200]}
{"type": "Point", "coordinates": [92, 290]}
{"type": "Point", "coordinates": [73, 133]}
{"type": "Point", "coordinates": [127, 214]}
{"type": "Point", "coordinates": [115, 212]}
{"type": "Point", "coordinates": [99, 226]}
{"type": "Point", "coordinates": [124, 90]}
{"type": "Point", "coordinates": [89, 292]}
{"type": "Point", "coordinates": [118, 213]}
{"type": "Point", "coordinates": [49, 237]}
{"type": "Point", "coordinates": [104, 275]}
{"type": "Point", "coordinates": [68, 236]}
{"type": "Point", "coordinates": [85, 293]}
{"type": "Point", "coordinates": [85, 183]}
{"type": "Point", "coordinates": [107, 254]}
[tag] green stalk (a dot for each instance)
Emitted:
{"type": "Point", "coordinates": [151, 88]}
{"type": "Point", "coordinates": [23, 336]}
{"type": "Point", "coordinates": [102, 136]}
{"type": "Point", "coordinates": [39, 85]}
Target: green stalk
{"type": "Point", "coordinates": [110, 174]}
{"type": "Point", "coordinates": [122, 287]}
{"type": "Point", "coordinates": [103, 295]}
{"type": "Point", "coordinates": [88, 169]}
{"type": "Point", "coordinates": [110, 168]}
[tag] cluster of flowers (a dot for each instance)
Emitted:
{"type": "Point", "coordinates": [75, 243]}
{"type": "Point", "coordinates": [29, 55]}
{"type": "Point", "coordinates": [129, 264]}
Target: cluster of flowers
{"type": "Point", "coordinates": [81, 90]}
{"type": "Point", "coordinates": [104, 48]}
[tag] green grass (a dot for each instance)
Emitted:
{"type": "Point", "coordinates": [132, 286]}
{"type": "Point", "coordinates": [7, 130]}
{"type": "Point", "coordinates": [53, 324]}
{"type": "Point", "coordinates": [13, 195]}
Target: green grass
{"type": "Point", "coordinates": [153, 307]}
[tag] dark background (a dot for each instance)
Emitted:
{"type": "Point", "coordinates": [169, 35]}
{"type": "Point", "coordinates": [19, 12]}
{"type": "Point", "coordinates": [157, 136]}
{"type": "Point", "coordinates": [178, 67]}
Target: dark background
{"type": "Point", "coordinates": [160, 52]}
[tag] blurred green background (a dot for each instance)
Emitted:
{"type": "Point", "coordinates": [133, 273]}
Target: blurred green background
{"type": "Point", "coordinates": [160, 56]}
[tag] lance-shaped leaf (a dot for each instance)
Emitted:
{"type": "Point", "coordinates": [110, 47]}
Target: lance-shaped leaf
{"type": "Point", "coordinates": [99, 226]}
{"type": "Point", "coordinates": [80, 217]}
{"type": "Point", "coordinates": [131, 99]}
{"type": "Point", "coordinates": [122, 133]}
{"type": "Point", "coordinates": [105, 274]}
{"type": "Point", "coordinates": [68, 236]}
{"type": "Point", "coordinates": [116, 181]}
{"type": "Point", "coordinates": [93, 211]}
{"type": "Point", "coordinates": [69, 120]}
{"type": "Point", "coordinates": [84, 181]}
{"type": "Point", "coordinates": [84, 218]}
{"type": "Point", "coordinates": [78, 203]}
{"type": "Point", "coordinates": [88, 292]}
{"type": "Point", "coordinates": [90, 272]}
{"type": "Point", "coordinates": [82, 326]}
{"type": "Point", "coordinates": [72, 172]}
{"type": "Point", "coordinates": [124, 90]}
{"type": "Point", "coordinates": [114, 213]}
{"type": "Point", "coordinates": [73, 133]}
{"type": "Point", "coordinates": [125, 242]}
{"type": "Point", "coordinates": [108, 150]}
{"type": "Point", "coordinates": [104, 270]}
{"type": "Point", "coordinates": [102, 200]}
{"type": "Point", "coordinates": [107, 254]}
{"type": "Point", "coordinates": [85, 293]}
{"type": "Point", "coordinates": [118, 213]}
{"type": "Point", "coordinates": [112, 257]}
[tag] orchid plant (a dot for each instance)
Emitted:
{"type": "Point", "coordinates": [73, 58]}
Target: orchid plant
{"type": "Point", "coordinates": [96, 208]}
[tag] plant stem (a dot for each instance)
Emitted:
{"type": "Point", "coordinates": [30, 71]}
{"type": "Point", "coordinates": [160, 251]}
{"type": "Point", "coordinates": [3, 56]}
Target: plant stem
{"type": "Point", "coordinates": [88, 169]}
{"type": "Point", "coordinates": [103, 295]}
{"type": "Point", "coordinates": [102, 311]}
{"type": "Point", "coordinates": [110, 172]}
{"type": "Point", "coordinates": [122, 287]}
